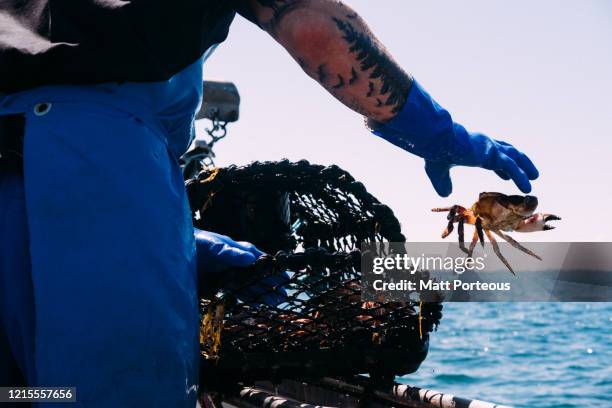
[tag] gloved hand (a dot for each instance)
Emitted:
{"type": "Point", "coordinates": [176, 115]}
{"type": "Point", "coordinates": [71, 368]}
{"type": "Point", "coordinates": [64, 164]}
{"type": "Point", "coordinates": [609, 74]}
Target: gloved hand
{"type": "Point", "coordinates": [427, 130]}
{"type": "Point", "coordinates": [216, 253]}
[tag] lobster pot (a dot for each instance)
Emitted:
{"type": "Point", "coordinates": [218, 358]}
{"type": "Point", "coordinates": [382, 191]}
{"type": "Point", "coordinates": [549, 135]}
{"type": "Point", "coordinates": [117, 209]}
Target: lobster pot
{"type": "Point", "coordinates": [298, 313]}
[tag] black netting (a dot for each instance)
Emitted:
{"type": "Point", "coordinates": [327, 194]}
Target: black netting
{"type": "Point", "coordinates": [314, 219]}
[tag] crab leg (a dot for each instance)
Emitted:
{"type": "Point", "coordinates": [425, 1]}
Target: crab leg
{"type": "Point", "coordinates": [443, 209]}
{"type": "Point", "coordinates": [473, 244]}
{"type": "Point", "coordinates": [515, 244]}
{"type": "Point", "coordinates": [497, 251]}
{"type": "Point", "coordinates": [460, 233]}
{"type": "Point", "coordinates": [451, 218]}
{"type": "Point", "coordinates": [478, 225]}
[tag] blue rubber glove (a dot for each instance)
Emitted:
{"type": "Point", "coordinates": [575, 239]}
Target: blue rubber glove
{"type": "Point", "coordinates": [426, 129]}
{"type": "Point", "coordinates": [216, 253]}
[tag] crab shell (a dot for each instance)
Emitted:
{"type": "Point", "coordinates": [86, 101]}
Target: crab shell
{"type": "Point", "coordinates": [511, 213]}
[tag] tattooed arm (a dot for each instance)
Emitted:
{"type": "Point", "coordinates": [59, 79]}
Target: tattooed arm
{"type": "Point", "coordinates": [334, 46]}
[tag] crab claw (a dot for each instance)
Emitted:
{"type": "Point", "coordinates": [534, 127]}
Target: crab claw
{"type": "Point", "coordinates": [537, 222]}
{"type": "Point", "coordinates": [550, 217]}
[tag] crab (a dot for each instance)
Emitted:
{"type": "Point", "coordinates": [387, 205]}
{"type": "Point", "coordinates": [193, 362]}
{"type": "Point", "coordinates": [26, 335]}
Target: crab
{"type": "Point", "coordinates": [497, 213]}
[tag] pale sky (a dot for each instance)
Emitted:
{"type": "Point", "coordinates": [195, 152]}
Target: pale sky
{"type": "Point", "coordinates": [537, 74]}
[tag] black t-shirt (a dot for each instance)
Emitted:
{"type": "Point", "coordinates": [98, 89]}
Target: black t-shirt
{"type": "Point", "coordinates": [45, 42]}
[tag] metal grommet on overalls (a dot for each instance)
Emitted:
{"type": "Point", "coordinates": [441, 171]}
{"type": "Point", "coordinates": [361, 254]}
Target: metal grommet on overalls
{"type": "Point", "coordinates": [42, 108]}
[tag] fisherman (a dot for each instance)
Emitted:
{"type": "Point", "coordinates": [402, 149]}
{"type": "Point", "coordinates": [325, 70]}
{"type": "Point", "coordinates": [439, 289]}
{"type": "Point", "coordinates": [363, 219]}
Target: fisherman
{"type": "Point", "coordinates": [97, 248]}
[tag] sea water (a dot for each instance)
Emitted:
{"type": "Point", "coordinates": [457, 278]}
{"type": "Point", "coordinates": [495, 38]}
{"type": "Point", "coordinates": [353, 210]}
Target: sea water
{"type": "Point", "coordinates": [522, 354]}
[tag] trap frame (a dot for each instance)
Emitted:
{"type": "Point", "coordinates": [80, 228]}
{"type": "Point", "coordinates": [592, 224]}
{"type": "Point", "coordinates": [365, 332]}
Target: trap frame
{"type": "Point", "coordinates": [314, 220]}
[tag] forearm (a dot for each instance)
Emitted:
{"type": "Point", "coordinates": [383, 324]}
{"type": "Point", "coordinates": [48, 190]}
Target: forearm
{"type": "Point", "coordinates": [334, 46]}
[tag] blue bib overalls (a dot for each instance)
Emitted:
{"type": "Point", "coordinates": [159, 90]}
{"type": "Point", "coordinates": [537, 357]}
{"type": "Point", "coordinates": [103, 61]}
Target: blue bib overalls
{"type": "Point", "coordinates": [97, 272]}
